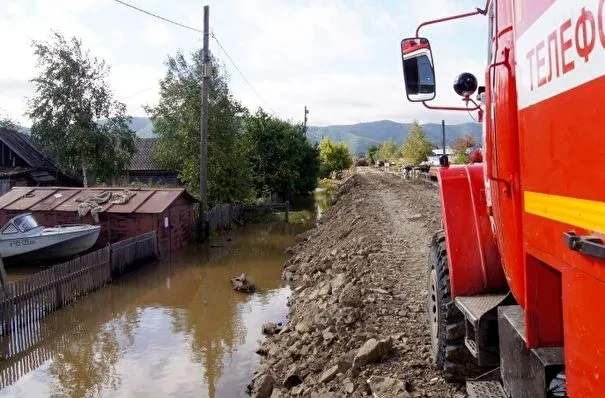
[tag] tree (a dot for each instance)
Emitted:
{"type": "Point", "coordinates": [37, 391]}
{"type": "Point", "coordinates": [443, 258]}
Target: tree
{"type": "Point", "coordinates": [333, 156]}
{"type": "Point", "coordinates": [416, 147]}
{"type": "Point", "coordinates": [282, 159]}
{"type": "Point", "coordinates": [6, 122]}
{"type": "Point", "coordinates": [388, 150]}
{"type": "Point", "coordinates": [73, 113]}
{"type": "Point", "coordinates": [176, 121]}
{"type": "Point", "coordinates": [463, 143]}
{"type": "Point", "coordinates": [373, 153]}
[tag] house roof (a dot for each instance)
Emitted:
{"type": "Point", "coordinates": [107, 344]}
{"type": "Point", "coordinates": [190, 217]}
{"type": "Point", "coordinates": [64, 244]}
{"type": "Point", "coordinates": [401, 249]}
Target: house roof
{"type": "Point", "coordinates": [142, 158]}
{"type": "Point", "coordinates": [31, 152]}
{"type": "Point", "coordinates": [27, 148]}
{"type": "Point", "coordinates": [144, 201]}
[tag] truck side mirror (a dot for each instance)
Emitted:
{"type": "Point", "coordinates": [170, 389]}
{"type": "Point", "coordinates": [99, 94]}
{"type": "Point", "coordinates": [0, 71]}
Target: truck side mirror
{"type": "Point", "coordinates": [418, 69]}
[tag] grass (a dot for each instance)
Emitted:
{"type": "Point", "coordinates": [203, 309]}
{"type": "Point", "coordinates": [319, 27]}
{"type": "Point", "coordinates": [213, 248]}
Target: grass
{"type": "Point", "coordinates": [294, 217]}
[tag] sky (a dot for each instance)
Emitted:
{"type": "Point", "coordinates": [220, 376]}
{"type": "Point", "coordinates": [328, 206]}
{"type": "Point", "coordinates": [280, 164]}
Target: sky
{"type": "Point", "coordinates": [340, 58]}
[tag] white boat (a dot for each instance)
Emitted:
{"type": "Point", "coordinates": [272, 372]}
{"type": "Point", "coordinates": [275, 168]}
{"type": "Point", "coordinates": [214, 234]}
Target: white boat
{"type": "Point", "coordinates": [23, 238]}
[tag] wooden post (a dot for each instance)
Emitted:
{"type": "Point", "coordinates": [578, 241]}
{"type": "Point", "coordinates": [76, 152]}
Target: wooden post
{"type": "Point", "coordinates": [203, 227]}
{"type": "Point", "coordinates": [4, 277]}
{"type": "Point", "coordinates": [287, 210]}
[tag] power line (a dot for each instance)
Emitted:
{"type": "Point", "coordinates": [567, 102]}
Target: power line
{"type": "Point", "coordinates": [239, 71]}
{"type": "Point", "coordinates": [213, 36]}
{"type": "Point", "coordinates": [158, 16]}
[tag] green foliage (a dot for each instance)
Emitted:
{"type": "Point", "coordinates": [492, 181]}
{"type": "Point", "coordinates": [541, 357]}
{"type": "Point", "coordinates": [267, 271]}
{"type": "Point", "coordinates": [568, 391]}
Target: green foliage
{"type": "Point", "coordinates": [388, 150]}
{"type": "Point", "coordinates": [176, 120]}
{"type": "Point", "coordinates": [416, 147]}
{"type": "Point", "coordinates": [373, 153]}
{"type": "Point", "coordinates": [460, 158]}
{"type": "Point", "coordinates": [283, 160]}
{"type": "Point", "coordinates": [74, 114]}
{"type": "Point", "coordinates": [7, 123]}
{"type": "Point", "coordinates": [333, 156]}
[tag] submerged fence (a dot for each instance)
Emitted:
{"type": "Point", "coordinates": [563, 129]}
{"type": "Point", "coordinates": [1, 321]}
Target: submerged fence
{"type": "Point", "coordinates": [223, 216]}
{"type": "Point", "coordinates": [24, 302]}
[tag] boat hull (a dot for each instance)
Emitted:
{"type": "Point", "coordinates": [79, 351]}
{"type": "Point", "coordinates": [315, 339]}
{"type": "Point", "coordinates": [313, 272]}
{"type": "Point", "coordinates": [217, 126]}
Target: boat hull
{"type": "Point", "coordinates": [52, 244]}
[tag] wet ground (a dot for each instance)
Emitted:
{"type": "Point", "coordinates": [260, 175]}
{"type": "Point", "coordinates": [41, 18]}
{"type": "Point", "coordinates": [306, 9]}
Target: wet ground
{"type": "Point", "coordinates": [173, 328]}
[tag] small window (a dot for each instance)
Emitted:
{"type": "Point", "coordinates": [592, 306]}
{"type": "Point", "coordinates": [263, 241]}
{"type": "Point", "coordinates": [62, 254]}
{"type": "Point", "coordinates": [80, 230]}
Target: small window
{"type": "Point", "coordinates": [10, 229]}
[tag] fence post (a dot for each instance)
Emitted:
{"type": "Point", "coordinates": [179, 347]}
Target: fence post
{"type": "Point", "coordinates": [287, 209]}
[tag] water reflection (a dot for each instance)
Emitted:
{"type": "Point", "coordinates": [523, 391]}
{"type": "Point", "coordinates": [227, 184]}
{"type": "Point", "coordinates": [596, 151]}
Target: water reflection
{"type": "Point", "coordinates": [174, 328]}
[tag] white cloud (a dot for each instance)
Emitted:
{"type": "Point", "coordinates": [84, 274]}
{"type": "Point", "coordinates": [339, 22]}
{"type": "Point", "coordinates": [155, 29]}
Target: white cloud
{"type": "Point", "coordinates": [341, 58]}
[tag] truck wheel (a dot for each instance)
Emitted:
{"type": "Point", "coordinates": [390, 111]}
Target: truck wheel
{"type": "Point", "coordinates": [446, 321]}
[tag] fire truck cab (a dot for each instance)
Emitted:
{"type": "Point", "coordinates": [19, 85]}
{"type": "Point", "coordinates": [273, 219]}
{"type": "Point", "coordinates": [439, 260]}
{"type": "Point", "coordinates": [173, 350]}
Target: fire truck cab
{"type": "Point", "coordinates": [514, 297]}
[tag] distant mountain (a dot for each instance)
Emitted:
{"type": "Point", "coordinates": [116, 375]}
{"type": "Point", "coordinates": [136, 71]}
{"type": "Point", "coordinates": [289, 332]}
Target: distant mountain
{"type": "Point", "coordinates": [357, 136]}
{"type": "Point", "coordinates": [362, 135]}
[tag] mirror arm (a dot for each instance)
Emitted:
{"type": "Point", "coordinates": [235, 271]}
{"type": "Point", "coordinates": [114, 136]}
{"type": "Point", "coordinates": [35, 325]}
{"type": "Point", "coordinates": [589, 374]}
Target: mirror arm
{"type": "Point", "coordinates": [454, 108]}
{"type": "Point", "coordinates": [478, 11]}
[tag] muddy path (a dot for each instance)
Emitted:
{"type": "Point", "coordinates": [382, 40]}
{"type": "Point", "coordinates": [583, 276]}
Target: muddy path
{"type": "Point", "coordinates": [357, 311]}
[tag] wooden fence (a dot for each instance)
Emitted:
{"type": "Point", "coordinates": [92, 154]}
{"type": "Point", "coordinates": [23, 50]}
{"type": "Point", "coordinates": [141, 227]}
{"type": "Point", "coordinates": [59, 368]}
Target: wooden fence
{"type": "Point", "coordinates": [223, 216]}
{"type": "Point", "coordinates": [26, 301]}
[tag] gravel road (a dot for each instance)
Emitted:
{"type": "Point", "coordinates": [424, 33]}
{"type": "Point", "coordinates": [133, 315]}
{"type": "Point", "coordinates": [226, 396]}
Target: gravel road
{"type": "Point", "coordinates": [357, 322]}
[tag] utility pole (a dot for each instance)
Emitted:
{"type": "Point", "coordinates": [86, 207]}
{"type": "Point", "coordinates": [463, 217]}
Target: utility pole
{"type": "Point", "coordinates": [305, 122]}
{"type": "Point", "coordinates": [443, 160]}
{"type": "Point", "coordinates": [443, 135]}
{"type": "Point", "coordinates": [203, 225]}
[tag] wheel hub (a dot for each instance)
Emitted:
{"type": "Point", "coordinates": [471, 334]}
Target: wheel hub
{"type": "Point", "coordinates": [433, 311]}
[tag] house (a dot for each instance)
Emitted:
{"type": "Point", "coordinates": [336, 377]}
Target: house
{"type": "Point", "coordinates": [167, 211]}
{"type": "Point", "coordinates": [145, 170]}
{"type": "Point", "coordinates": [23, 163]}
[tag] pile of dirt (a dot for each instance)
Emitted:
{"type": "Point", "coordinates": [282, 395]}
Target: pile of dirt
{"type": "Point", "coordinates": [358, 325]}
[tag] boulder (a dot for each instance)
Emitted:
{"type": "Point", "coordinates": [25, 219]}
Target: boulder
{"type": "Point", "coordinates": [264, 386]}
{"type": "Point", "coordinates": [372, 351]}
{"type": "Point", "coordinates": [270, 329]}
{"type": "Point", "coordinates": [242, 284]}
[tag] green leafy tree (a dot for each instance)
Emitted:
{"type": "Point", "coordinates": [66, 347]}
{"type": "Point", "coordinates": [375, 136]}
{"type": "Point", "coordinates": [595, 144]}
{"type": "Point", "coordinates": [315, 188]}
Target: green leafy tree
{"type": "Point", "coordinates": [416, 147]}
{"type": "Point", "coordinates": [334, 156]}
{"type": "Point", "coordinates": [373, 153]}
{"type": "Point", "coordinates": [283, 160]}
{"type": "Point", "coordinates": [176, 121]}
{"type": "Point", "coordinates": [388, 150]}
{"type": "Point", "coordinates": [73, 112]}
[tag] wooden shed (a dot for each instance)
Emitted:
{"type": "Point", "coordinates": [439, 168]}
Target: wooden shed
{"type": "Point", "coordinates": [169, 211]}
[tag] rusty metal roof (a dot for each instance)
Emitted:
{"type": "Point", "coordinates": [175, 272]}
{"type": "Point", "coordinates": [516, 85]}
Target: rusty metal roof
{"type": "Point", "coordinates": [144, 201]}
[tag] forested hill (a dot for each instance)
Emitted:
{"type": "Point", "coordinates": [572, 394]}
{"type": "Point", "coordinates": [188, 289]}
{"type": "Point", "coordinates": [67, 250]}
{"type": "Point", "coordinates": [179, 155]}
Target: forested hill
{"type": "Point", "coordinates": [360, 136]}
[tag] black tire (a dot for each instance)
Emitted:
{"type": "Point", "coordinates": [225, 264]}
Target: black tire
{"type": "Point", "coordinates": [446, 322]}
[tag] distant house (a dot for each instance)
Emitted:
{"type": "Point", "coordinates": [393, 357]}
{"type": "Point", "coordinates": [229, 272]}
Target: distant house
{"type": "Point", "coordinates": [23, 163]}
{"type": "Point", "coordinates": [439, 151]}
{"type": "Point", "coordinates": [144, 170]}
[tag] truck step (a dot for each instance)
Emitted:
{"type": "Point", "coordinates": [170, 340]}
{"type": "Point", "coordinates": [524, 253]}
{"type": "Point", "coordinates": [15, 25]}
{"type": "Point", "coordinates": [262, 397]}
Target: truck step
{"type": "Point", "coordinates": [474, 307]}
{"type": "Point", "coordinates": [485, 389]}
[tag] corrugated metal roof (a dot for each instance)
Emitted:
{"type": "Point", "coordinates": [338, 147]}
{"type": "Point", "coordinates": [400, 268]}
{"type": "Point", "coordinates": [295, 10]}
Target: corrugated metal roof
{"type": "Point", "coordinates": [145, 200]}
{"type": "Point", "coordinates": [142, 159]}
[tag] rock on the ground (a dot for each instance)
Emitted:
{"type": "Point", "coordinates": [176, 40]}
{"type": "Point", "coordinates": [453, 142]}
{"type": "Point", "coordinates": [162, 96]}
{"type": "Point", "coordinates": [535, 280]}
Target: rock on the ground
{"type": "Point", "coordinates": [264, 386]}
{"type": "Point", "coordinates": [270, 328]}
{"type": "Point", "coordinates": [373, 350]}
{"type": "Point", "coordinates": [385, 387]}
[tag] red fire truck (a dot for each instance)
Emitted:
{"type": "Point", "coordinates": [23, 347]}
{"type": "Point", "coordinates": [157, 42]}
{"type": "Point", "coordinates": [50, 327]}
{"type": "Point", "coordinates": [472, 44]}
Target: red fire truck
{"type": "Point", "coordinates": [517, 274]}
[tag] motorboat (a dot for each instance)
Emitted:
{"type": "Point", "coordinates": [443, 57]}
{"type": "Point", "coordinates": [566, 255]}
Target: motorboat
{"type": "Point", "coordinates": [23, 238]}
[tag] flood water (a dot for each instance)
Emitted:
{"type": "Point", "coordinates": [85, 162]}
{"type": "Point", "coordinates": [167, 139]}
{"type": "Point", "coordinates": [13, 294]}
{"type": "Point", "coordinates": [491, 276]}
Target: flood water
{"type": "Point", "coordinates": [172, 328]}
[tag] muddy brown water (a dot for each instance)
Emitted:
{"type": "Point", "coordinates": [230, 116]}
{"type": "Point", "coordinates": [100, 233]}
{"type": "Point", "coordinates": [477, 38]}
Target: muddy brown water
{"type": "Point", "coordinates": [172, 328]}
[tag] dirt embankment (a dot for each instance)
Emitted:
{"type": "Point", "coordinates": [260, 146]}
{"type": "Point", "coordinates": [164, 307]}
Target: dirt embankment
{"type": "Point", "coordinates": [357, 312]}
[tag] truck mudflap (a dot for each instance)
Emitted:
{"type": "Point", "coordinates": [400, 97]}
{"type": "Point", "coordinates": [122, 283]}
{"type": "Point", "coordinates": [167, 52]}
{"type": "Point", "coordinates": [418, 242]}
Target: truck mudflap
{"type": "Point", "coordinates": [473, 258]}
